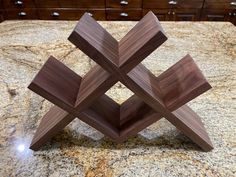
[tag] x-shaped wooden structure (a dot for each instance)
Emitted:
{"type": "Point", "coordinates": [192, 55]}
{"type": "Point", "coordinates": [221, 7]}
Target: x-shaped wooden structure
{"type": "Point", "coordinates": [154, 97]}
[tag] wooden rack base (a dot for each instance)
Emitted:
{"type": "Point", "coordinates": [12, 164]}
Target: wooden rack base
{"type": "Point", "coordinates": [155, 97]}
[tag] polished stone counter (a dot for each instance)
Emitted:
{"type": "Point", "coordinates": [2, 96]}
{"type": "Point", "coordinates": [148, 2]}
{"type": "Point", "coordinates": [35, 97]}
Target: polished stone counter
{"type": "Point", "coordinates": [159, 150]}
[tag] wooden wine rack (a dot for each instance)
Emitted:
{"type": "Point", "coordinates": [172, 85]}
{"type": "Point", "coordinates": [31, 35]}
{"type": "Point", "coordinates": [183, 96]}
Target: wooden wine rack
{"type": "Point", "coordinates": [154, 97]}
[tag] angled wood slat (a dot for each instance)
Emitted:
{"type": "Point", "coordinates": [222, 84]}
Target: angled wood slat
{"type": "Point", "coordinates": [140, 41]}
{"type": "Point", "coordinates": [181, 83]}
{"type": "Point", "coordinates": [95, 41]}
{"type": "Point", "coordinates": [53, 122]}
{"type": "Point", "coordinates": [154, 97]}
{"type": "Point", "coordinates": [92, 87]}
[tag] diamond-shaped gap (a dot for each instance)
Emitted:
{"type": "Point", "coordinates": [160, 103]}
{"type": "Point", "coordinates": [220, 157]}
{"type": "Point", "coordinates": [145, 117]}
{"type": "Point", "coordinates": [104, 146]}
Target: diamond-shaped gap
{"type": "Point", "coordinates": [119, 93]}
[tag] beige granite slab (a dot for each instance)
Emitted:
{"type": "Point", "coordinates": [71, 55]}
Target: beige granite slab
{"type": "Point", "coordinates": [159, 150]}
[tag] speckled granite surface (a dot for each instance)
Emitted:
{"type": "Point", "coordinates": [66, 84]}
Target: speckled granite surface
{"type": "Point", "coordinates": [159, 150]}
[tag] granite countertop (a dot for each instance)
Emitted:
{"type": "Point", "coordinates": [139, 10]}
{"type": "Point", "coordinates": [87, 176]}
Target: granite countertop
{"type": "Point", "coordinates": [159, 150]}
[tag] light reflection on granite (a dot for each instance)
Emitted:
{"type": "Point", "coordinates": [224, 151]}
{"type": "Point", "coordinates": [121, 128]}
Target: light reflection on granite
{"type": "Point", "coordinates": [159, 150]}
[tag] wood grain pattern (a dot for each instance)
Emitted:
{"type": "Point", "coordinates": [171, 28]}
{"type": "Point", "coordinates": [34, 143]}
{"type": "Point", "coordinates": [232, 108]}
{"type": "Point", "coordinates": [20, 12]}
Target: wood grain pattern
{"type": "Point", "coordinates": [140, 41]}
{"type": "Point", "coordinates": [57, 83]}
{"type": "Point", "coordinates": [181, 83]}
{"type": "Point", "coordinates": [155, 97]}
{"type": "Point", "coordinates": [53, 122]}
{"type": "Point", "coordinates": [95, 41]}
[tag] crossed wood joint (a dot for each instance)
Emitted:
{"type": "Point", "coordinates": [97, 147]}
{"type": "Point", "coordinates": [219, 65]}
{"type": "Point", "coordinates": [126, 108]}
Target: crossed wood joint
{"type": "Point", "coordinates": [154, 97]}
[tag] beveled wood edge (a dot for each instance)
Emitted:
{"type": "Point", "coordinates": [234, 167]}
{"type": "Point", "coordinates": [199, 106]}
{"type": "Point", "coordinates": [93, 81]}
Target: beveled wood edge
{"type": "Point", "coordinates": [192, 127]}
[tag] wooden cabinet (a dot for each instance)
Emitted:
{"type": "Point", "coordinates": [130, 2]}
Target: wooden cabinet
{"type": "Point", "coordinates": [164, 4]}
{"type": "Point", "coordinates": [219, 10]}
{"type": "Point", "coordinates": [176, 14]}
{"type": "Point", "coordinates": [165, 10]}
{"type": "Point", "coordinates": [21, 14]}
{"type": "Point", "coordinates": [124, 9]}
{"type": "Point", "coordinates": [186, 14]}
{"type": "Point", "coordinates": [219, 15]}
{"type": "Point", "coordinates": [17, 4]}
{"type": "Point", "coordinates": [53, 9]}
{"type": "Point", "coordinates": [220, 4]}
{"type": "Point", "coordinates": [124, 4]}
{"type": "Point", "coordinates": [162, 14]}
{"type": "Point", "coordinates": [70, 3]}
{"type": "Point", "coordinates": [174, 10]}
{"type": "Point", "coordinates": [120, 14]}
{"type": "Point", "coordinates": [69, 14]}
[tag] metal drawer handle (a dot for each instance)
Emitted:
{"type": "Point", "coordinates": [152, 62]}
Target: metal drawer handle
{"type": "Point", "coordinates": [18, 2]}
{"type": "Point", "coordinates": [22, 14]}
{"type": "Point", "coordinates": [90, 14]}
{"type": "Point", "coordinates": [230, 14]}
{"type": "Point", "coordinates": [233, 3]}
{"type": "Point", "coordinates": [173, 2]}
{"type": "Point", "coordinates": [124, 14]}
{"type": "Point", "coordinates": [55, 14]}
{"type": "Point", "coordinates": [124, 2]}
{"type": "Point", "coordinates": [234, 14]}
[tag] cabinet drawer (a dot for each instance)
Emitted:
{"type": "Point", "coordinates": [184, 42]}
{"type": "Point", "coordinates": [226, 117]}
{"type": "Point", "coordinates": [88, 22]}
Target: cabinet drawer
{"type": "Point", "coordinates": [186, 14]}
{"type": "Point", "coordinates": [215, 15]}
{"type": "Point", "coordinates": [172, 3]}
{"type": "Point", "coordinates": [176, 14]}
{"type": "Point", "coordinates": [156, 4]}
{"type": "Point", "coordinates": [195, 4]}
{"type": "Point", "coordinates": [21, 14]}
{"type": "Point", "coordinates": [220, 4]}
{"type": "Point", "coordinates": [70, 3]}
{"type": "Point", "coordinates": [162, 14]}
{"type": "Point", "coordinates": [82, 3]}
{"type": "Point", "coordinates": [69, 14]}
{"type": "Point", "coordinates": [46, 3]}
{"type": "Point", "coordinates": [11, 4]}
{"type": "Point", "coordinates": [124, 3]}
{"type": "Point", "coordinates": [124, 14]}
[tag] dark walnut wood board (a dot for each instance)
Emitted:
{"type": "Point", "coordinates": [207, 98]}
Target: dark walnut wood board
{"type": "Point", "coordinates": [154, 97]}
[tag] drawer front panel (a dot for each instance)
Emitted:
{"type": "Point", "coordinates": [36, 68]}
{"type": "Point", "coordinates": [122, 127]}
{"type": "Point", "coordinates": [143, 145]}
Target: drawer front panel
{"type": "Point", "coordinates": [185, 4]}
{"type": "Point", "coordinates": [69, 14]}
{"type": "Point", "coordinates": [172, 3]}
{"type": "Point", "coordinates": [124, 3]}
{"type": "Point", "coordinates": [123, 14]}
{"type": "Point", "coordinates": [186, 15]}
{"type": "Point", "coordinates": [215, 15]}
{"type": "Point", "coordinates": [70, 3]}
{"type": "Point", "coordinates": [15, 4]}
{"type": "Point", "coordinates": [220, 5]}
{"type": "Point", "coordinates": [21, 14]}
{"type": "Point", "coordinates": [162, 14]}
